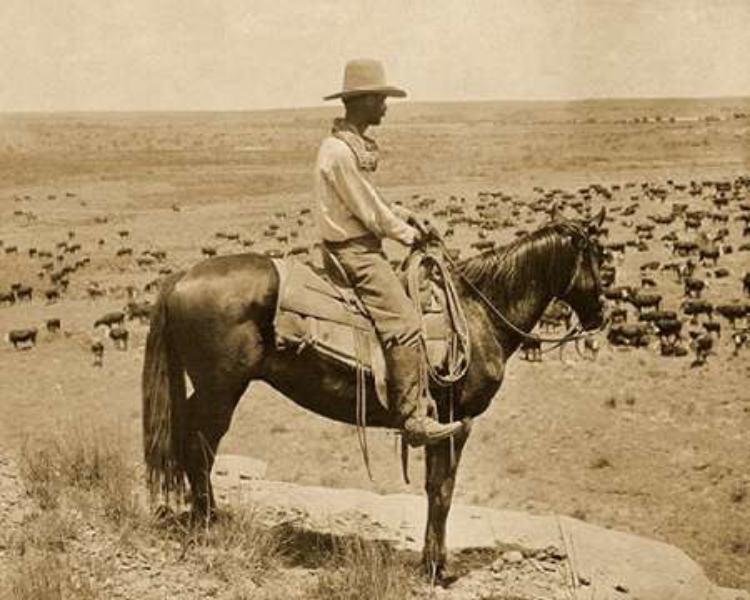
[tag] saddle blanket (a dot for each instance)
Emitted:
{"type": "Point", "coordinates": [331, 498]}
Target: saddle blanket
{"type": "Point", "coordinates": [315, 315]}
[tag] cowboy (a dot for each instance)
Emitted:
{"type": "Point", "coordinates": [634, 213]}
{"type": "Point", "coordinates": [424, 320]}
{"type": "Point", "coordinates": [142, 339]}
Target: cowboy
{"type": "Point", "coordinates": [353, 219]}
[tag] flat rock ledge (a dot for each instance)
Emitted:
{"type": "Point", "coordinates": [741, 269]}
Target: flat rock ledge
{"type": "Point", "coordinates": [529, 556]}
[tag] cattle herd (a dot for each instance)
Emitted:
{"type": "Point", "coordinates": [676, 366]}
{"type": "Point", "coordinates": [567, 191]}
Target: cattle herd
{"type": "Point", "coordinates": [674, 266]}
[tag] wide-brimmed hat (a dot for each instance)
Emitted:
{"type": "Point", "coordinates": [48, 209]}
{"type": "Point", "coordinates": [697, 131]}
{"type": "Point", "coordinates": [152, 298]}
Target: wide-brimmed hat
{"type": "Point", "coordinates": [365, 76]}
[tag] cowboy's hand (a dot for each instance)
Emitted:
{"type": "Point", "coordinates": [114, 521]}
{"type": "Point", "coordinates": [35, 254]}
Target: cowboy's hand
{"type": "Point", "coordinates": [431, 229]}
{"type": "Point", "coordinates": [424, 226]}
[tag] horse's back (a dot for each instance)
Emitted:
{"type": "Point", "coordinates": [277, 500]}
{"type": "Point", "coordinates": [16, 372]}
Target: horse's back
{"type": "Point", "coordinates": [229, 288]}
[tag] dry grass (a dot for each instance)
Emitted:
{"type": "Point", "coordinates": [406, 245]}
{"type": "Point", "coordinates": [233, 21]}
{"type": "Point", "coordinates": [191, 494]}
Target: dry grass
{"type": "Point", "coordinates": [362, 569]}
{"type": "Point", "coordinates": [84, 488]}
{"type": "Point", "coordinates": [83, 468]}
{"type": "Point", "coordinates": [237, 546]}
{"type": "Point", "coordinates": [45, 575]}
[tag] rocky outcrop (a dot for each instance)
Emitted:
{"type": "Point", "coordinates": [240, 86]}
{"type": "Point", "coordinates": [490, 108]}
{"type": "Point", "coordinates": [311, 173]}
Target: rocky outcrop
{"type": "Point", "coordinates": [525, 556]}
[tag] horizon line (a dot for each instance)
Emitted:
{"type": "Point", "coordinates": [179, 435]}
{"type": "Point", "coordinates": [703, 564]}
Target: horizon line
{"type": "Point", "coordinates": [334, 105]}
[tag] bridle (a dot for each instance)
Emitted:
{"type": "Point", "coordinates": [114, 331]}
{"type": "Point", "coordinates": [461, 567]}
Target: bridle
{"type": "Point", "coordinates": [576, 332]}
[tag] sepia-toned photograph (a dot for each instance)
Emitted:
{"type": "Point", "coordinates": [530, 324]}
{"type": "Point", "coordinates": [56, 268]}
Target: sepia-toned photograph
{"type": "Point", "coordinates": [375, 300]}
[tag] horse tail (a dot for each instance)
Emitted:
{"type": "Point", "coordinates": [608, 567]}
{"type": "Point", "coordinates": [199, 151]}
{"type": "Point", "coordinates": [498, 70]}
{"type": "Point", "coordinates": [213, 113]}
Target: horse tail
{"type": "Point", "coordinates": [164, 403]}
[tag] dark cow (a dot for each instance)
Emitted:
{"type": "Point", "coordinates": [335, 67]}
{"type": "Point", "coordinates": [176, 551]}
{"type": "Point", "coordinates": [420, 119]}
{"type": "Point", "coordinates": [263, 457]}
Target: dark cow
{"type": "Point", "coordinates": [636, 335]}
{"type": "Point", "coordinates": [732, 312]}
{"type": "Point", "coordinates": [709, 253]}
{"type": "Point", "coordinates": [7, 298]}
{"type": "Point", "coordinates": [712, 327]}
{"type": "Point", "coordinates": [641, 301]}
{"type": "Point", "coordinates": [53, 325]}
{"type": "Point", "coordinates": [693, 287]}
{"type": "Point", "coordinates": [23, 338]}
{"type": "Point", "coordinates": [97, 349]}
{"type": "Point", "coordinates": [119, 336]}
{"type": "Point", "coordinates": [693, 307]}
{"type": "Point", "coordinates": [24, 292]}
{"type": "Point", "coordinates": [139, 310]}
{"type": "Point", "coordinates": [702, 346]}
{"type": "Point", "coordinates": [111, 319]}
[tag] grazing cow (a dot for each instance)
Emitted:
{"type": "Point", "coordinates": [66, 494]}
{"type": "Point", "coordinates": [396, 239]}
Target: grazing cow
{"type": "Point", "coordinates": [636, 335]}
{"type": "Point", "coordinates": [94, 291]}
{"type": "Point", "coordinates": [617, 294]}
{"type": "Point", "coordinates": [145, 261]}
{"type": "Point", "coordinates": [702, 346]}
{"type": "Point", "coordinates": [110, 319]}
{"type": "Point", "coordinates": [732, 312]}
{"type": "Point", "coordinates": [642, 301]}
{"type": "Point", "coordinates": [208, 251]}
{"type": "Point", "coordinates": [119, 336]}
{"type": "Point", "coordinates": [693, 307]}
{"type": "Point", "coordinates": [693, 287]}
{"type": "Point", "coordinates": [709, 252]}
{"type": "Point", "coordinates": [24, 292]}
{"type": "Point", "coordinates": [52, 295]}
{"type": "Point", "coordinates": [712, 327]}
{"type": "Point", "coordinates": [127, 251]}
{"type": "Point", "coordinates": [7, 298]}
{"type": "Point", "coordinates": [97, 349]}
{"type": "Point", "coordinates": [684, 248]}
{"type": "Point", "coordinates": [668, 330]}
{"type": "Point", "coordinates": [53, 325]}
{"type": "Point", "coordinates": [138, 310]}
{"type": "Point", "coordinates": [23, 338]}
{"type": "Point", "coordinates": [532, 350]}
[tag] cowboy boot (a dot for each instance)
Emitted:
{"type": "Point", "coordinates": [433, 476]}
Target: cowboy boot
{"type": "Point", "coordinates": [408, 396]}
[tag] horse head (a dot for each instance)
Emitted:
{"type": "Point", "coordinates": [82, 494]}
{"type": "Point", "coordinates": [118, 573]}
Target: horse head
{"type": "Point", "coordinates": [584, 289]}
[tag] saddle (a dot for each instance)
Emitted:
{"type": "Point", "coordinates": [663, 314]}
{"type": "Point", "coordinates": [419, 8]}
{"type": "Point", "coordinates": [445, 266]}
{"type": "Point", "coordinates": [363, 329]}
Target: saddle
{"type": "Point", "coordinates": [318, 311]}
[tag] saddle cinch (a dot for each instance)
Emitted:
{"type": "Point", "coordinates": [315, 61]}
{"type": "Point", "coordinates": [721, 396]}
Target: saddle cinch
{"type": "Point", "coordinates": [319, 311]}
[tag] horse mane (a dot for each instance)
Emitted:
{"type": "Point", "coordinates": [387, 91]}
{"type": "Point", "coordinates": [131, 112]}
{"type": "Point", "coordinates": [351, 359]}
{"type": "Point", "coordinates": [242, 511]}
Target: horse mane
{"type": "Point", "coordinates": [512, 269]}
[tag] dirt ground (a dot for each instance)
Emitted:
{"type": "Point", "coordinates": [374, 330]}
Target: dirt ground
{"type": "Point", "coordinates": [632, 440]}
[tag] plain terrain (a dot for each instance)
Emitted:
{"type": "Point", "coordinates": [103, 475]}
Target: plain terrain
{"type": "Point", "coordinates": [632, 441]}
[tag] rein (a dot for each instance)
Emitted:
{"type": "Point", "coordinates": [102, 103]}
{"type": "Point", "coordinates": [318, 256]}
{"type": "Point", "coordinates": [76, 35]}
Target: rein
{"type": "Point", "coordinates": [574, 333]}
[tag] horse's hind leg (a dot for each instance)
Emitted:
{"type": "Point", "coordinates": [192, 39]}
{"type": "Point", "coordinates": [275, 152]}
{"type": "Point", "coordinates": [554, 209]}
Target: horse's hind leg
{"type": "Point", "coordinates": [207, 422]}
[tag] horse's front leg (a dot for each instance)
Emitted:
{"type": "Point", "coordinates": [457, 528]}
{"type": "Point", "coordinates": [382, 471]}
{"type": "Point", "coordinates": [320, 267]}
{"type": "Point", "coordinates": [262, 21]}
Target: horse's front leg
{"type": "Point", "coordinates": [439, 483]}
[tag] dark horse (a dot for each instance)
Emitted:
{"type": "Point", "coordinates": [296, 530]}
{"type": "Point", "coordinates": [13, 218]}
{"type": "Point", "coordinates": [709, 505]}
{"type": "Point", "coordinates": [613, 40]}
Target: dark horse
{"type": "Point", "coordinates": [215, 323]}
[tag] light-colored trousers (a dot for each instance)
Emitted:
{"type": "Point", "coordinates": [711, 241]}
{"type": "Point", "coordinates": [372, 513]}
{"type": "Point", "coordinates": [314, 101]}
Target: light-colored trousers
{"type": "Point", "coordinates": [378, 287]}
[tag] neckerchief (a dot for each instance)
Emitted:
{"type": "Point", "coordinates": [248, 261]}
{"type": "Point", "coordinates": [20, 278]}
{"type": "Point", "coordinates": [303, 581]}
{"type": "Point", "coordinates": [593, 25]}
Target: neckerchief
{"type": "Point", "coordinates": [365, 149]}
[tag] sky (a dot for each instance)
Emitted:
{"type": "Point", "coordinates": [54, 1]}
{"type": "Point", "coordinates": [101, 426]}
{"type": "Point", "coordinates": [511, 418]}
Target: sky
{"type": "Point", "coordinates": [64, 55]}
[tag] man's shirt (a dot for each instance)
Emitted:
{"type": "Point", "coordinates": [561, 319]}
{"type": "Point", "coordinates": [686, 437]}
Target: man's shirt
{"type": "Point", "coordinates": [347, 204]}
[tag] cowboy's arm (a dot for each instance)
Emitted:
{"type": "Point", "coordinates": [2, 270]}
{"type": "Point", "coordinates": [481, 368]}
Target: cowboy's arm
{"type": "Point", "coordinates": [361, 198]}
